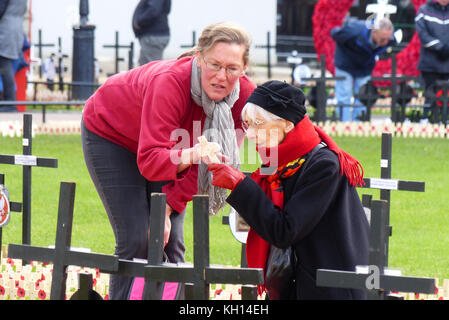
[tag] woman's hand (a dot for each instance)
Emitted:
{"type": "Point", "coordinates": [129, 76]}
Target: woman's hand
{"type": "Point", "coordinates": [225, 176]}
{"type": "Point", "coordinates": [167, 228]}
{"type": "Point", "coordinates": [193, 155]}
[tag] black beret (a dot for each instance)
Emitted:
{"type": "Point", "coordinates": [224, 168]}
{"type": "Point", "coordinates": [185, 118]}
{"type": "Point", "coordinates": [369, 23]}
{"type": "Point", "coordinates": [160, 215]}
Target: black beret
{"type": "Point", "coordinates": [281, 99]}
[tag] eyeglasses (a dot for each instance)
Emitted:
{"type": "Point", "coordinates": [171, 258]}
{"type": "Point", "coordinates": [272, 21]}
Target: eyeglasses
{"type": "Point", "coordinates": [246, 125]}
{"type": "Point", "coordinates": [233, 71]}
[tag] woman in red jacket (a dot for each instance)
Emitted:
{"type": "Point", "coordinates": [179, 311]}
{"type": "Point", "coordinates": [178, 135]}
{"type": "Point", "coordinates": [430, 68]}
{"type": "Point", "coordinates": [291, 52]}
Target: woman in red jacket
{"type": "Point", "coordinates": [139, 135]}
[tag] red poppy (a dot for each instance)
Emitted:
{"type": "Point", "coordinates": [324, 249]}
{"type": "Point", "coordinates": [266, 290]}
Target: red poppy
{"type": "Point", "coordinates": [218, 292]}
{"type": "Point", "coordinates": [16, 283]}
{"type": "Point", "coordinates": [440, 94]}
{"type": "Point", "coordinates": [2, 291]}
{"type": "Point", "coordinates": [10, 261]}
{"type": "Point", "coordinates": [41, 294]}
{"type": "Point", "coordinates": [21, 292]}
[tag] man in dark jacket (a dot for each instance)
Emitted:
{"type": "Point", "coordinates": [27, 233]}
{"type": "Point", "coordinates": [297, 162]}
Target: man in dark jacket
{"type": "Point", "coordinates": [432, 25]}
{"type": "Point", "coordinates": [355, 57]}
{"type": "Point", "coordinates": [150, 25]}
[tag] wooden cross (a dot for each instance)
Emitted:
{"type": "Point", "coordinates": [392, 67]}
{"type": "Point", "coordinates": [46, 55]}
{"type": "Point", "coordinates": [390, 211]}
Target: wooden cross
{"type": "Point", "coordinates": [381, 9]}
{"type": "Point", "coordinates": [27, 160]}
{"type": "Point", "coordinates": [320, 94]}
{"type": "Point", "coordinates": [268, 46]}
{"type": "Point", "coordinates": [14, 206]}
{"type": "Point", "coordinates": [193, 41]}
{"type": "Point", "coordinates": [62, 256]}
{"type": "Point", "coordinates": [61, 57]}
{"type": "Point", "coordinates": [397, 95]}
{"type": "Point", "coordinates": [200, 274]}
{"type": "Point", "coordinates": [385, 184]}
{"type": "Point", "coordinates": [376, 281]}
{"type": "Point", "coordinates": [117, 46]}
{"type": "Point", "coordinates": [40, 45]}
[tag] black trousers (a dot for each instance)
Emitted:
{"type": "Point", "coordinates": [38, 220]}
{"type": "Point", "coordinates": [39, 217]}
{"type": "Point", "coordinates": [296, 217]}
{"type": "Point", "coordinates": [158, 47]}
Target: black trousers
{"type": "Point", "coordinates": [125, 196]}
{"type": "Point", "coordinates": [9, 85]}
{"type": "Point", "coordinates": [430, 78]}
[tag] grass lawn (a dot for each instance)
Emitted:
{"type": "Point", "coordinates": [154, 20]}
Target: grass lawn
{"type": "Point", "coordinates": [420, 221]}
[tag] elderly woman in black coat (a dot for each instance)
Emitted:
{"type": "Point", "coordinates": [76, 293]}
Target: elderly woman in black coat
{"type": "Point", "coordinates": [315, 211]}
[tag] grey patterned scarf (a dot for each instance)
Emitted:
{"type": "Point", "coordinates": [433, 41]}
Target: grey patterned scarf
{"type": "Point", "coordinates": [219, 128]}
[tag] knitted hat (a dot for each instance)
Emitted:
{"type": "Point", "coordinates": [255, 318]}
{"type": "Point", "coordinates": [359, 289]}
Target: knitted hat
{"type": "Point", "coordinates": [281, 99]}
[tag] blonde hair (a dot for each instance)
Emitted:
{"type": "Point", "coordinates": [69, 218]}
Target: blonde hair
{"type": "Point", "coordinates": [227, 32]}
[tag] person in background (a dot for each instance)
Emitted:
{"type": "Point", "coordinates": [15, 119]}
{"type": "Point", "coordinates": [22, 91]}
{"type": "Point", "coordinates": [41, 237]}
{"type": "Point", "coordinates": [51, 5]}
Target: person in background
{"type": "Point", "coordinates": [150, 26]}
{"type": "Point", "coordinates": [11, 43]}
{"type": "Point", "coordinates": [432, 26]}
{"type": "Point", "coordinates": [50, 71]}
{"type": "Point", "coordinates": [140, 131]}
{"type": "Point", "coordinates": [307, 201]}
{"type": "Point", "coordinates": [357, 47]}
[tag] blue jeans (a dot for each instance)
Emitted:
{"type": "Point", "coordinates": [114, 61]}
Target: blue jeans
{"type": "Point", "coordinates": [125, 196]}
{"type": "Point", "coordinates": [344, 89]}
{"type": "Point", "coordinates": [9, 85]}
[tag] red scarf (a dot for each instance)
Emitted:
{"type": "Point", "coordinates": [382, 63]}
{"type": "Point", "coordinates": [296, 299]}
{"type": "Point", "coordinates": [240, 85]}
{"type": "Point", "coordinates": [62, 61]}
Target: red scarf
{"type": "Point", "coordinates": [298, 142]}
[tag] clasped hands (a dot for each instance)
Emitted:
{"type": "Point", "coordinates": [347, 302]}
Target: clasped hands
{"type": "Point", "coordinates": [224, 175]}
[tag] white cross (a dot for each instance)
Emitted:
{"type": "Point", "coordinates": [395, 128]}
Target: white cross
{"type": "Point", "coordinates": [381, 9]}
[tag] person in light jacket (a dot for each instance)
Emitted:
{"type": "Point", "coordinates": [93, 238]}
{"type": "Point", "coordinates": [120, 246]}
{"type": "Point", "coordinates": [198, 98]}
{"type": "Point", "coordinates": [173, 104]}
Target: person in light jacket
{"type": "Point", "coordinates": [11, 43]}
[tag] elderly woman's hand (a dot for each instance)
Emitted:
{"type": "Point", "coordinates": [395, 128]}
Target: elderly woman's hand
{"type": "Point", "coordinates": [225, 176]}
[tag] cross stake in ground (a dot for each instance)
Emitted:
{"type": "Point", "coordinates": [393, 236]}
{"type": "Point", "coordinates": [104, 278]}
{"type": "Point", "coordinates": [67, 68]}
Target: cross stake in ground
{"type": "Point", "coordinates": [201, 274]}
{"type": "Point", "coordinates": [376, 281]}
{"type": "Point", "coordinates": [385, 184]}
{"type": "Point", "coordinates": [27, 160]}
{"type": "Point", "coordinates": [61, 255]}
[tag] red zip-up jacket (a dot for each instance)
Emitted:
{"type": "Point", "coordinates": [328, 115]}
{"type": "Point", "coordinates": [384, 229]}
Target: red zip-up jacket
{"type": "Point", "coordinates": [149, 111]}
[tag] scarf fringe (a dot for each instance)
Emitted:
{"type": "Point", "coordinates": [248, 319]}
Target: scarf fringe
{"type": "Point", "coordinates": [351, 168]}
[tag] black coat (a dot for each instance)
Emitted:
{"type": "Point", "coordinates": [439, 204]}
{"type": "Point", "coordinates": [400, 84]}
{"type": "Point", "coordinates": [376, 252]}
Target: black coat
{"type": "Point", "coordinates": [433, 31]}
{"type": "Point", "coordinates": [152, 17]}
{"type": "Point", "coordinates": [322, 219]}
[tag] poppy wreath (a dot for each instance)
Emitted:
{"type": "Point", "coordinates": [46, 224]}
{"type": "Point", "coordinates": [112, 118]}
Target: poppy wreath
{"type": "Point", "coordinates": [329, 14]}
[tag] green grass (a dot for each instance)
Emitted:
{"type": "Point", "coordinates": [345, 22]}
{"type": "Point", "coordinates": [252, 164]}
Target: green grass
{"type": "Point", "coordinates": [420, 221]}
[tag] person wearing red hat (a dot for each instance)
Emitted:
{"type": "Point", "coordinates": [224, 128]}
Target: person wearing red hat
{"type": "Point", "coordinates": [304, 195]}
